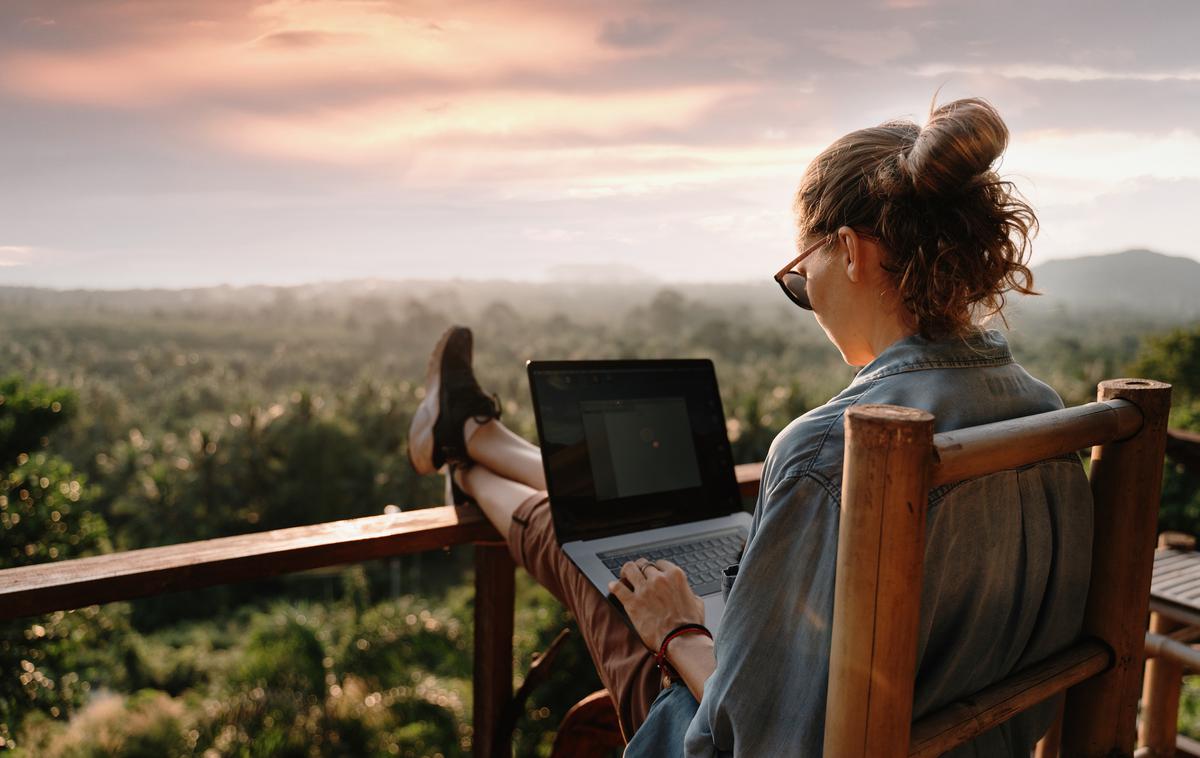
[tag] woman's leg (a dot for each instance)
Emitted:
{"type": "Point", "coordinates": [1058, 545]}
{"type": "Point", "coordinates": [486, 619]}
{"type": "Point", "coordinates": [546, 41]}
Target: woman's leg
{"type": "Point", "coordinates": [498, 496]}
{"type": "Point", "coordinates": [522, 514]}
{"type": "Point", "coordinates": [508, 470]}
{"type": "Point", "coordinates": [507, 482]}
{"type": "Point", "coordinates": [508, 454]}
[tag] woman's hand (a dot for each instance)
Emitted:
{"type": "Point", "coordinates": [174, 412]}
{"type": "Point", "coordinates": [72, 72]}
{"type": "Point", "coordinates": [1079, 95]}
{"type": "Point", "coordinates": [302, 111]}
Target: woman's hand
{"type": "Point", "coordinates": [657, 598]}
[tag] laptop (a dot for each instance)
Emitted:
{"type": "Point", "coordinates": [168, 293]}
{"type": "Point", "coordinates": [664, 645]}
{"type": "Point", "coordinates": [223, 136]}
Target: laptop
{"type": "Point", "coordinates": [638, 464]}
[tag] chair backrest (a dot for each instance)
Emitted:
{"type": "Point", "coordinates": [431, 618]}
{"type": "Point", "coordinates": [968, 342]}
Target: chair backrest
{"type": "Point", "coordinates": [892, 460]}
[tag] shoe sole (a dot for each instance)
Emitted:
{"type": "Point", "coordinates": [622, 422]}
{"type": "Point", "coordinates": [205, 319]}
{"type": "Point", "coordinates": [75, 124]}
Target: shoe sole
{"type": "Point", "coordinates": [420, 432]}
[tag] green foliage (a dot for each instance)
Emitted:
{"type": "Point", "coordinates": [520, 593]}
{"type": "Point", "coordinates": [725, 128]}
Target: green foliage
{"type": "Point", "coordinates": [394, 679]}
{"type": "Point", "coordinates": [1189, 707]}
{"type": "Point", "coordinates": [1180, 507]}
{"type": "Point", "coordinates": [44, 513]}
{"type": "Point", "coordinates": [283, 654]}
{"type": "Point", "coordinates": [28, 413]}
{"type": "Point", "coordinates": [394, 640]}
{"type": "Point", "coordinates": [49, 664]}
{"type": "Point", "coordinates": [286, 465]}
{"type": "Point", "coordinates": [147, 724]}
{"type": "Point", "coordinates": [1174, 357]}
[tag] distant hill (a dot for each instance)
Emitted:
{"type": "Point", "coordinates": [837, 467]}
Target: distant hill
{"type": "Point", "coordinates": [1141, 281]}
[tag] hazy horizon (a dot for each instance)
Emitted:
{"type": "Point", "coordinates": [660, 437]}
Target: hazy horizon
{"type": "Point", "coordinates": [596, 274]}
{"type": "Point", "coordinates": [185, 144]}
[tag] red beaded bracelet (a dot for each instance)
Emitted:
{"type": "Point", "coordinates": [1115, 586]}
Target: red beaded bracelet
{"type": "Point", "coordinates": [661, 657]}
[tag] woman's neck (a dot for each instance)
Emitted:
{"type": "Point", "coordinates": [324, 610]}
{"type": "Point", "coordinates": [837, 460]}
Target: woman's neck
{"type": "Point", "coordinates": [889, 326]}
{"type": "Point", "coordinates": [887, 334]}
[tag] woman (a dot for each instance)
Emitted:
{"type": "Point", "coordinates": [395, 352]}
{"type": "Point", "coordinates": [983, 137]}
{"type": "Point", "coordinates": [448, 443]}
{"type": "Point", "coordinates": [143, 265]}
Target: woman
{"type": "Point", "coordinates": [908, 238]}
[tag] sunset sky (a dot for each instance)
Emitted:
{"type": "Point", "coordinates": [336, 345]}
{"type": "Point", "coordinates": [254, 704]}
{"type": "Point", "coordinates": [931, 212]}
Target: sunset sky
{"type": "Point", "coordinates": [187, 143]}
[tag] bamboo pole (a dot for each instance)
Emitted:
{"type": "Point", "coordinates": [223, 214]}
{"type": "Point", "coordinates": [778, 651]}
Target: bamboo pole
{"type": "Point", "coordinates": [1163, 646]}
{"type": "Point", "coordinates": [493, 675]}
{"type": "Point", "coordinates": [1100, 715]}
{"type": "Point", "coordinates": [960, 722]}
{"type": "Point", "coordinates": [967, 453]}
{"type": "Point", "coordinates": [877, 595]}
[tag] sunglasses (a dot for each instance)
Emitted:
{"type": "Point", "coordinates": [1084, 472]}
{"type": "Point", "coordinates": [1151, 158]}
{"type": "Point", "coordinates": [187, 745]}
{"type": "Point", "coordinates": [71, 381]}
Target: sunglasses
{"type": "Point", "coordinates": [793, 283]}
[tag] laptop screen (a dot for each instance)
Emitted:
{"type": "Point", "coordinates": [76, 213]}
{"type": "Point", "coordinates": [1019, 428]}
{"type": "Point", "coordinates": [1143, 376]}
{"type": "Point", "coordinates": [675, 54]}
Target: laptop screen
{"type": "Point", "coordinates": [632, 444]}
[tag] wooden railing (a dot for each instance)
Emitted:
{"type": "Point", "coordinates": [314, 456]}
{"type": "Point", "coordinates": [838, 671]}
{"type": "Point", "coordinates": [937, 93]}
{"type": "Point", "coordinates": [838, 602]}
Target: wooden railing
{"type": "Point", "coordinates": [1184, 448]}
{"type": "Point", "coordinates": [63, 585]}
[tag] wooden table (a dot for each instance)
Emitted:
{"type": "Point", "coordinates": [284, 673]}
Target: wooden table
{"type": "Point", "coordinates": [1175, 586]}
{"type": "Point", "coordinates": [1174, 624]}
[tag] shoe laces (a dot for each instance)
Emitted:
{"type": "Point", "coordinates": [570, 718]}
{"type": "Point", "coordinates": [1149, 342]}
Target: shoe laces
{"type": "Point", "coordinates": [493, 411]}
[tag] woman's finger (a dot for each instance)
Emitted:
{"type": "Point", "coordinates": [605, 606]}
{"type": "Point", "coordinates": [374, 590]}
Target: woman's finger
{"type": "Point", "coordinates": [669, 570]}
{"type": "Point", "coordinates": [620, 589]}
{"type": "Point", "coordinates": [632, 573]}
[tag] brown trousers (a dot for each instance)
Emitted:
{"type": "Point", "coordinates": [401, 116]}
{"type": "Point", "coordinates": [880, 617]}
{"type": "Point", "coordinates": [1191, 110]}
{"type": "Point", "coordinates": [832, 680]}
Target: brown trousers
{"type": "Point", "coordinates": [625, 666]}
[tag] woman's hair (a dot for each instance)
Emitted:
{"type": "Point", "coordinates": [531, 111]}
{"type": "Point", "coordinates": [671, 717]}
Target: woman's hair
{"type": "Point", "coordinates": [956, 236]}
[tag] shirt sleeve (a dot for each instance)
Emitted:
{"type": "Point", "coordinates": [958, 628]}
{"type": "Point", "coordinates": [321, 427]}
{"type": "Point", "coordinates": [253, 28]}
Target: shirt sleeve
{"type": "Point", "coordinates": [767, 693]}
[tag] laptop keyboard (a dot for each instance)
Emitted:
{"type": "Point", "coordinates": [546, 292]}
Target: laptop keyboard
{"type": "Point", "coordinates": [702, 558]}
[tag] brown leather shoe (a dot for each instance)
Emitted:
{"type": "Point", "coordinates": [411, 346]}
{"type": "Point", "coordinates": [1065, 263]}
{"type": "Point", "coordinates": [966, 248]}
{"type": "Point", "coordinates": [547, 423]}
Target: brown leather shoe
{"type": "Point", "coordinates": [452, 395]}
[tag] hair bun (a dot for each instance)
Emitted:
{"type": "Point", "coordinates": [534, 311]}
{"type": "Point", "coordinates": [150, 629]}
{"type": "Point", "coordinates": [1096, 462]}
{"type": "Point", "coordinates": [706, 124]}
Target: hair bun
{"type": "Point", "coordinates": [961, 141]}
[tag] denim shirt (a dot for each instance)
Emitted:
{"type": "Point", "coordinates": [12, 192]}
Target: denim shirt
{"type": "Point", "coordinates": [1005, 577]}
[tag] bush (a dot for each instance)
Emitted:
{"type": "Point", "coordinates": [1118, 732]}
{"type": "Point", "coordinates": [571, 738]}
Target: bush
{"type": "Point", "coordinates": [1175, 358]}
{"type": "Point", "coordinates": [48, 664]}
{"type": "Point", "coordinates": [147, 724]}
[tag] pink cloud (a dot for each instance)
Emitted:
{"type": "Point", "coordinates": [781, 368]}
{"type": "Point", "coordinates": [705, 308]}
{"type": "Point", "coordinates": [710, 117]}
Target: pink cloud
{"type": "Point", "coordinates": [446, 123]}
{"type": "Point", "coordinates": [360, 81]}
{"type": "Point", "coordinates": [16, 255]}
{"type": "Point", "coordinates": [289, 44]}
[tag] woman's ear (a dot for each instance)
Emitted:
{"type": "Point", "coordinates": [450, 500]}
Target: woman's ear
{"type": "Point", "coordinates": [854, 254]}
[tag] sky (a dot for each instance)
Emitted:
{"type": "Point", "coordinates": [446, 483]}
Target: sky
{"type": "Point", "coordinates": [183, 143]}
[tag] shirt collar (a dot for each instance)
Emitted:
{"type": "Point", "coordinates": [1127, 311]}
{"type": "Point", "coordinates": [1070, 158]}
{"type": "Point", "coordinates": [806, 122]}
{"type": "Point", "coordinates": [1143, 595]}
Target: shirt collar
{"type": "Point", "coordinates": [985, 347]}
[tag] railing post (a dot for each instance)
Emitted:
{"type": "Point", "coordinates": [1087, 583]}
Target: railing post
{"type": "Point", "coordinates": [1160, 697]}
{"type": "Point", "coordinates": [1100, 717]}
{"type": "Point", "coordinates": [493, 676]}
{"type": "Point", "coordinates": [877, 593]}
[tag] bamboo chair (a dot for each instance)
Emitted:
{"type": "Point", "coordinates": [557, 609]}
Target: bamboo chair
{"type": "Point", "coordinates": [589, 730]}
{"type": "Point", "coordinates": [892, 460]}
